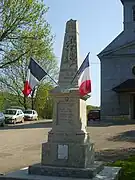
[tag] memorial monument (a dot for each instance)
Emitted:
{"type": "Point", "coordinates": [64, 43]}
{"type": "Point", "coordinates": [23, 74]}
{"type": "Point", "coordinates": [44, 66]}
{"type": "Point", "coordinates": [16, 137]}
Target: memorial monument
{"type": "Point", "coordinates": [68, 151]}
{"type": "Point", "coordinates": [68, 143]}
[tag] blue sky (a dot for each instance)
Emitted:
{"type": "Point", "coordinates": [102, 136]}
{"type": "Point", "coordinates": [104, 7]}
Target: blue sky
{"type": "Point", "coordinates": [100, 21]}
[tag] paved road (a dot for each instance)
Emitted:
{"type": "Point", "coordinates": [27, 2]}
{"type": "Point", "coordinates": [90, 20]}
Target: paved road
{"type": "Point", "coordinates": [20, 145]}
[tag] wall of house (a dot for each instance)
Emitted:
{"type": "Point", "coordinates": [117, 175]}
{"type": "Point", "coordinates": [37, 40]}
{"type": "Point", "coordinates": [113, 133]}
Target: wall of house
{"type": "Point", "coordinates": [115, 70]}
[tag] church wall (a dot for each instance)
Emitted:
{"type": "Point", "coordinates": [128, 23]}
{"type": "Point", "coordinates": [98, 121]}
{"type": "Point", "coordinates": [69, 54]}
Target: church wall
{"type": "Point", "coordinates": [117, 60]}
{"type": "Point", "coordinates": [115, 70]}
{"type": "Point", "coordinates": [124, 102]}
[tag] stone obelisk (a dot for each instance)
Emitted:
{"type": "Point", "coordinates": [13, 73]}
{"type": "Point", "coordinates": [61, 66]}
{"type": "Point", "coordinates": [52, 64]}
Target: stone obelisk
{"type": "Point", "coordinates": [68, 144]}
{"type": "Point", "coordinates": [68, 138]}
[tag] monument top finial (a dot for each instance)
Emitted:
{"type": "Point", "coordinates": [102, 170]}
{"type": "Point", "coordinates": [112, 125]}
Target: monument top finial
{"type": "Point", "coordinates": [72, 26]}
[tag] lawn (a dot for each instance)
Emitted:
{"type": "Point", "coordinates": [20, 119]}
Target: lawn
{"type": "Point", "coordinates": [128, 168]}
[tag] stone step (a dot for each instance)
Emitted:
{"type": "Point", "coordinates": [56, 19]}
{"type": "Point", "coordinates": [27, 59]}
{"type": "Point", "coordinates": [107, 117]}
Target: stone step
{"type": "Point", "coordinates": [108, 173]}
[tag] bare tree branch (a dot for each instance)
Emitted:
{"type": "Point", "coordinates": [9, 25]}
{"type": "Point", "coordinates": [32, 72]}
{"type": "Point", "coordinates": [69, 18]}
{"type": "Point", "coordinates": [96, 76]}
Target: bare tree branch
{"type": "Point", "coordinates": [23, 37]}
{"type": "Point", "coordinates": [12, 61]}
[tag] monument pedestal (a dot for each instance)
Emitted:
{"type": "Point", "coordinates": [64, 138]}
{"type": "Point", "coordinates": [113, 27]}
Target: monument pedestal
{"type": "Point", "coordinates": [68, 142]}
{"type": "Point", "coordinates": [88, 173]}
{"type": "Point", "coordinates": [68, 152]}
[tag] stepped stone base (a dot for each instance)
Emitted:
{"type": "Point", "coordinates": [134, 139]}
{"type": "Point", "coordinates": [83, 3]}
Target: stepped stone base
{"type": "Point", "coordinates": [78, 155]}
{"type": "Point", "coordinates": [67, 172]}
{"type": "Point", "coordinates": [108, 173]}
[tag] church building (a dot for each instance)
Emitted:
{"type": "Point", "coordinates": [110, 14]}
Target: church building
{"type": "Point", "coordinates": [118, 70]}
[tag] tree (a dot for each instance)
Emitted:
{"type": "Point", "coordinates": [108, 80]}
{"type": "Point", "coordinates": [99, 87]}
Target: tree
{"type": "Point", "coordinates": [43, 101]}
{"type": "Point", "coordinates": [13, 77]}
{"type": "Point", "coordinates": [90, 107]}
{"type": "Point", "coordinates": [39, 47]}
{"type": "Point", "coordinates": [17, 17]}
{"type": "Point", "coordinates": [8, 100]}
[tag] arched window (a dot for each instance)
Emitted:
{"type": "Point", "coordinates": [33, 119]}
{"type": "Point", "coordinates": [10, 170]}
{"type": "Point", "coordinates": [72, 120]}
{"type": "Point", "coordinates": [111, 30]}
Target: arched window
{"type": "Point", "coordinates": [133, 13]}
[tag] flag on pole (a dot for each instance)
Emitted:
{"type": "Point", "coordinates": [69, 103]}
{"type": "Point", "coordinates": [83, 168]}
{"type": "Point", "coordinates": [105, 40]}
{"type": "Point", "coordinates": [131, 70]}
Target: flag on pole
{"type": "Point", "coordinates": [34, 75]}
{"type": "Point", "coordinates": [84, 77]}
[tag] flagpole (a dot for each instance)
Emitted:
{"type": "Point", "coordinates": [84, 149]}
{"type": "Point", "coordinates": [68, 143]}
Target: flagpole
{"type": "Point", "coordinates": [51, 79]}
{"type": "Point", "coordinates": [74, 77]}
{"type": "Point", "coordinates": [78, 70]}
{"type": "Point", "coordinates": [32, 98]}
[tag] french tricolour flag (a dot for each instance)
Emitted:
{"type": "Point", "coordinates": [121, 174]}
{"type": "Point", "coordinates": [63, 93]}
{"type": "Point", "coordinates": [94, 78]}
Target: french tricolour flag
{"type": "Point", "coordinates": [34, 75]}
{"type": "Point", "coordinates": [84, 77]}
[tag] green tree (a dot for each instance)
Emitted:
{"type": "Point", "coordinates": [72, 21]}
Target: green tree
{"type": "Point", "coordinates": [17, 18]}
{"type": "Point", "coordinates": [31, 36]}
{"type": "Point", "coordinates": [8, 100]}
{"type": "Point", "coordinates": [90, 107]}
{"type": "Point", "coordinates": [43, 101]}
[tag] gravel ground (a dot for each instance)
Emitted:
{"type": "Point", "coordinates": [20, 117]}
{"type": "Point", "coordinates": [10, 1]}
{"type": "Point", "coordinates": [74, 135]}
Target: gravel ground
{"type": "Point", "coordinates": [20, 144]}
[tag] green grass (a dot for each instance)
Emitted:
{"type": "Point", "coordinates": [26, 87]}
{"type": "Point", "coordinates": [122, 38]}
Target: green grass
{"type": "Point", "coordinates": [128, 168]}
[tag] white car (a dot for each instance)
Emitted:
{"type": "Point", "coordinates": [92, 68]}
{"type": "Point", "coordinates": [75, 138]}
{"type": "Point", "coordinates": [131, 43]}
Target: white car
{"type": "Point", "coordinates": [2, 119]}
{"type": "Point", "coordinates": [30, 115]}
{"type": "Point", "coordinates": [14, 116]}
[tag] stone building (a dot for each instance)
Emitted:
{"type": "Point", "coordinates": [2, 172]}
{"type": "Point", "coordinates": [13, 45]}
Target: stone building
{"type": "Point", "coordinates": [118, 70]}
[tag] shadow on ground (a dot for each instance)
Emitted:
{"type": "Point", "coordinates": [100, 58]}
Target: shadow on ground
{"type": "Point", "coordinates": [27, 126]}
{"type": "Point", "coordinates": [111, 155]}
{"type": "Point", "coordinates": [109, 123]}
{"type": "Point", "coordinates": [128, 136]}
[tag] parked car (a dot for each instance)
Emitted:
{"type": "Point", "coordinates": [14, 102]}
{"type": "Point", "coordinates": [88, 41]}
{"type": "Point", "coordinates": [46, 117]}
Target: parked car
{"type": "Point", "coordinates": [30, 115]}
{"type": "Point", "coordinates": [2, 119]}
{"type": "Point", "coordinates": [93, 115]}
{"type": "Point", "coordinates": [14, 116]}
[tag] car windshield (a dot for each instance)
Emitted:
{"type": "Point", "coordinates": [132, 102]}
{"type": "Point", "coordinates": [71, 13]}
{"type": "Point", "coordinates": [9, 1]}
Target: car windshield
{"type": "Point", "coordinates": [28, 112]}
{"type": "Point", "coordinates": [10, 111]}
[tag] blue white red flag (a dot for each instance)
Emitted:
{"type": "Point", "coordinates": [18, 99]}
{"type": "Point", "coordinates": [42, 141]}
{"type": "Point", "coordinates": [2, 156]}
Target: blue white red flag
{"type": "Point", "coordinates": [34, 75]}
{"type": "Point", "coordinates": [84, 77]}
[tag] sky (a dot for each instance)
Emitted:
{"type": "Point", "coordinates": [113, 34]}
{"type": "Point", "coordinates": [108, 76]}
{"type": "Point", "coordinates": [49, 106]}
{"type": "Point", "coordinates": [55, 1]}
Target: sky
{"type": "Point", "coordinates": [100, 21]}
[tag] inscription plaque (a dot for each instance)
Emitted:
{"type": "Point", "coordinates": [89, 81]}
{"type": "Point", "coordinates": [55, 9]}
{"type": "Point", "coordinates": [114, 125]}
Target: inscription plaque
{"type": "Point", "coordinates": [62, 151]}
{"type": "Point", "coordinates": [65, 112]}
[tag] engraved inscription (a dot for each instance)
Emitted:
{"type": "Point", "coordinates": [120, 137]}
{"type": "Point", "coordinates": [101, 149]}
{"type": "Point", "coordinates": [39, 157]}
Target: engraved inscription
{"type": "Point", "coordinates": [65, 112]}
{"type": "Point", "coordinates": [70, 50]}
{"type": "Point", "coordinates": [72, 54]}
{"type": "Point", "coordinates": [62, 151]}
{"type": "Point", "coordinates": [69, 61]}
{"type": "Point", "coordinates": [67, 75]}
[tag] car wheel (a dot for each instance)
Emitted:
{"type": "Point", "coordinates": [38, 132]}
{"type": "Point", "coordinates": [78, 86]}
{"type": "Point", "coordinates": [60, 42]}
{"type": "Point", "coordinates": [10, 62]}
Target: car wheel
{"type": "Point", "coordinates": [14, 122]}
{"type": "Point", "coordinates": [22, 121]}
{"type": "Point", "coordinates": [2, 124]}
